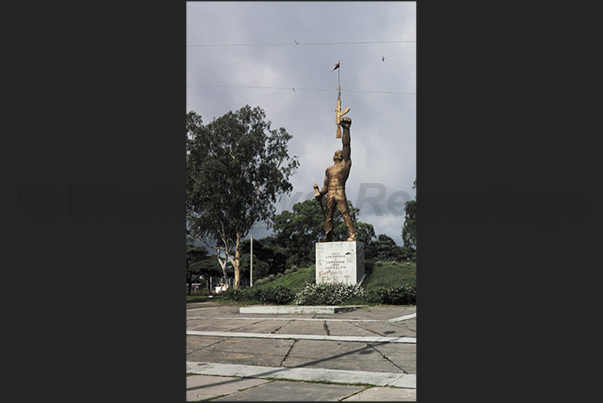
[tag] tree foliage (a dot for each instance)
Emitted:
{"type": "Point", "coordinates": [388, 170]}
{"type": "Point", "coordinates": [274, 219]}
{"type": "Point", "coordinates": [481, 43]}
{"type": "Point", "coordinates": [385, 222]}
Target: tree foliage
{"type": "Point", "coordinates": [409, 229]}
{"type": "Point", "coordinates": [386, 249]}
{"type": "Point", "coordinates": [237, 168]}
{"type": "Point", "coordinates": [199, 264]}
{"type": "Point", "coordinates": [268, 257]}
{"type": "Point", "coordinates": [300, 229]}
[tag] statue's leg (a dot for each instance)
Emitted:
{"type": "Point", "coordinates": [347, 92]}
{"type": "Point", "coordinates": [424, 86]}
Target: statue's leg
{"type": "Point", "coordinates": [329, 218]}
{"type": "Point", "coordinates": [342, 204]}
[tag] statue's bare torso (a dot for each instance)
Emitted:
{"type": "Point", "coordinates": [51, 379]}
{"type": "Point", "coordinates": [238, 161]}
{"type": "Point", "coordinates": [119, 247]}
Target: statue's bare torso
{"type": "Point", "coordinates": [334, 184]}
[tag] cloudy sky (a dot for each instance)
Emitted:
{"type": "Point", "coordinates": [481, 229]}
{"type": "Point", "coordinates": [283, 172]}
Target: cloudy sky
{"type": "Point", "coordinates": [280, 56]}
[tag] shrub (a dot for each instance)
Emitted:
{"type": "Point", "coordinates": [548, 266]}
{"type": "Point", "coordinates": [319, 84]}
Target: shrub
{"type": "Point", "coordinates": [402, 295]}
{"type": "Point", "coordinates": [328, 293]}
{"type": "Point", "coordinates": [277, 295]}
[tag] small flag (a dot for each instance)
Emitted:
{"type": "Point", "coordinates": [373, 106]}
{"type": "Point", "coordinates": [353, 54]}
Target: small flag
{"type": "Point", "coordinates": [336, 66]}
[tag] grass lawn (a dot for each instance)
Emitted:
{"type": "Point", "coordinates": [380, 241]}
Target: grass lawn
{"type": "Point", "coordinates": [294, 281]}
{"type": "Point", "coordinates": [389, 274]}
{"type": "Point", "coordinates": [202, 298]}
{"type": "Point", "coordinates": [380, 274]}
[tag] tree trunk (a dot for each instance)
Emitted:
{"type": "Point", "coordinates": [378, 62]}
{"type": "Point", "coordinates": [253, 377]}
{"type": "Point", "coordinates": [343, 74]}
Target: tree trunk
{"type": "Point", "coordinates": [223, 264]}
{"type": "Point", "coordinates": [236, 261]}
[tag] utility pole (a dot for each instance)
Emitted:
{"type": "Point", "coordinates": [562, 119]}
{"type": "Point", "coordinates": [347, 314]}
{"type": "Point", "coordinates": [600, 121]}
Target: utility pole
{"type": "Point", "coordinates": [251, 261]}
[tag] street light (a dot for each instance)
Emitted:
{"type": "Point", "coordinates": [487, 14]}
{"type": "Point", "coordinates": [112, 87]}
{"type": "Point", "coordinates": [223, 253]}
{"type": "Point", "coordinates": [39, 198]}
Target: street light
{"type": "Point", "coordinates": [251, 261]}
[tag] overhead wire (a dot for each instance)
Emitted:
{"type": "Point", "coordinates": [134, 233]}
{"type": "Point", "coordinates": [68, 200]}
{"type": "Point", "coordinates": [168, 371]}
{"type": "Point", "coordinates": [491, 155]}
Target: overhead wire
{"type": "Point", "coordinates": [295, 43]}
{"type": "Point", "coordinates": [295, 89]}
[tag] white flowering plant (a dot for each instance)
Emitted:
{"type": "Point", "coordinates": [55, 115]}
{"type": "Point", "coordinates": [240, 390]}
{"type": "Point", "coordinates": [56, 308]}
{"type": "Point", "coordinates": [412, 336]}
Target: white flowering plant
{"type": "Point", "coordinates": [328, 293]}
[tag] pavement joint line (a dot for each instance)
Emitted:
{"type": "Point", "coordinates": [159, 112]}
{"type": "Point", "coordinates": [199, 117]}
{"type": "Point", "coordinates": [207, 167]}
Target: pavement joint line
{"type": "Point", "coordinates": [355, 393]}
{"type": "Point", "coordinates": [304, 374]}
{"type": "Point", "coordinates": [280, 327]}
{"type": "Point", "coordinates": [368, 330]}
{"type": "Point", "coordinates": [288, 351]}
{"type": "Point", "coordinates": [245, 325]}
{"type": "Point", "coordinates": [366, 339]}
{"type": "Point", "coordinates": [386, 357]}
{"type": "Point", "coordinates": [308, 319]}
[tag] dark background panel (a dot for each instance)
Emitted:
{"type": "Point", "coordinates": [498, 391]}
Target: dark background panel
{"type": "Point", "coordinates": [506, 173]}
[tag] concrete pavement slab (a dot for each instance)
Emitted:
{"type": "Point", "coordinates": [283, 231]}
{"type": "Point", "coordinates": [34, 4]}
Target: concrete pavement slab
{"type": "Point", "coordinates": [200, 387]}
{"type": "Point", "coordinates": [378, 348]}
{"type": "Point", "coordinates": [328, 349]}
{"type": "Point", "coordinates": [409, 327]}
{"type": "Point", "coordinates": [276, 347]}
{"type": "Point", "coordinates": [332, 355]}
{"type": "Point", "coordinates": [235, 357]}
{"type": "Point", "coordinates": [212, 324]}
{"type": "Point", "coordinates": [390, 350]}
{"type": "Point", "coordinates": [407, 381]}
{"type": "Point", "coordinates": [292, 309]}
{"type": "Point", "coordinates": [384, 394]}
{"type": "Point", "coordinates": [408, 366]}
{"type": "Point", "coordinates": [285, 318]}
{"type": "Point", "coordinates": [226, 311]}
{"type": "Point", "coordinates": [293, 391]}
{"type": "Point", "coordinates": [216, 325]}
{"type": "Point", "coordinates": [347, 329]}
{"type": "Point", "coordinates": [311, 336]}
{"type": "Point", "coordinates": [376, 365]}
{"type": "Point", "coordinates": [197, 342]}
{"type": "Point", "coordinates": [387, 329]}
{"type": "Point", "coordinates": [374, 312]}
{"type": "Point", "coordinates": [403, 356]}
{"type": "Point", "coordinates": [302, 327]}
{"type": "Point", "coordinates": [244, 351]}
{"type": "Point", "coordinates": [262, 326]}
{"type": "Point", "coordinates": [303, 374]}
{"type": "Point", "coordinates": [280, 317]}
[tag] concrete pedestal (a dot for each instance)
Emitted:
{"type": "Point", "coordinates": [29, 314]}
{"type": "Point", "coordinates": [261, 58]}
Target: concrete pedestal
{"type": "Point", "coordinates": [339, 262]}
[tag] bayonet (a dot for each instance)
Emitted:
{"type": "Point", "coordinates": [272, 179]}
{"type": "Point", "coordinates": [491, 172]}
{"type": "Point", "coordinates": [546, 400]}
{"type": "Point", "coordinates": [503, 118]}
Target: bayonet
{"type": "Point", "coordinates": [339, 113]}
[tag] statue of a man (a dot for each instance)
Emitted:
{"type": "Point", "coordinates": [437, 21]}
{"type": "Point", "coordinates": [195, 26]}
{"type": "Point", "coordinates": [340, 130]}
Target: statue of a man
{"type": "Point", "coordinates": [335, 178]}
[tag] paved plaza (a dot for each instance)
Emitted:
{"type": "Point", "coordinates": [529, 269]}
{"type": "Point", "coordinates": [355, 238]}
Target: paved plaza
{"type": "Point", "coordinates": [368, 353]}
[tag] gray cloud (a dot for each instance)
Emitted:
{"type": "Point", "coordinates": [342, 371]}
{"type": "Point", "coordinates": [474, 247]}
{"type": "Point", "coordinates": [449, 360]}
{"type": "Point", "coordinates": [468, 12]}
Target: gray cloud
{"type": "Point", "coordinates": [383, 124]}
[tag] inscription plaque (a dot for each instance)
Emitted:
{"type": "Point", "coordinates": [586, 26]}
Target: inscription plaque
{"type": "Point", "coordinates": [339, 262]}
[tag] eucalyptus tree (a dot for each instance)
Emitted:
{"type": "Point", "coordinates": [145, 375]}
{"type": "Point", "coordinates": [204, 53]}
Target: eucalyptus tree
{"type": "Point", "coordinates": [237, 169]}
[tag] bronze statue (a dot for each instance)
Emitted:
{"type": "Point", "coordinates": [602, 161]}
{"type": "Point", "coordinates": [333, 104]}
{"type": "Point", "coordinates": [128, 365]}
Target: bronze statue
{"type": "Point", "coordinates": [334, 184]}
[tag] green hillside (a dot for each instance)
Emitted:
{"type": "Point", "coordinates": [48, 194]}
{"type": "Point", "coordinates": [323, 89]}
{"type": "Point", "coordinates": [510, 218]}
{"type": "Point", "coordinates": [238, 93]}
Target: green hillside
{"type": "Point", "coordinates": [386, 282]}
{"type": "Point", "coordinates": [293, 281]}
{"type": "Point", "coordinates": [390, 274]}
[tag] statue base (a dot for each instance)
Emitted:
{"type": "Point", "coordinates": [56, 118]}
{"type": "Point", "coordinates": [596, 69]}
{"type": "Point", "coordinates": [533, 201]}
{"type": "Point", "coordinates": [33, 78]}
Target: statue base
{"type": "Point", "coordinates": [339, 262]}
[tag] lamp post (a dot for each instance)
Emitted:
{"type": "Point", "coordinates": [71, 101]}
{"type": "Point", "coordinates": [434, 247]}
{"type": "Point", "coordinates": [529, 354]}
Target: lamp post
{"type": "Point", "coordinates": [251, 260]}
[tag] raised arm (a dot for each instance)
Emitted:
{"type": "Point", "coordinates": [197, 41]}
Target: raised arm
{"type": "Point", "coordinates": [346, 151]}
